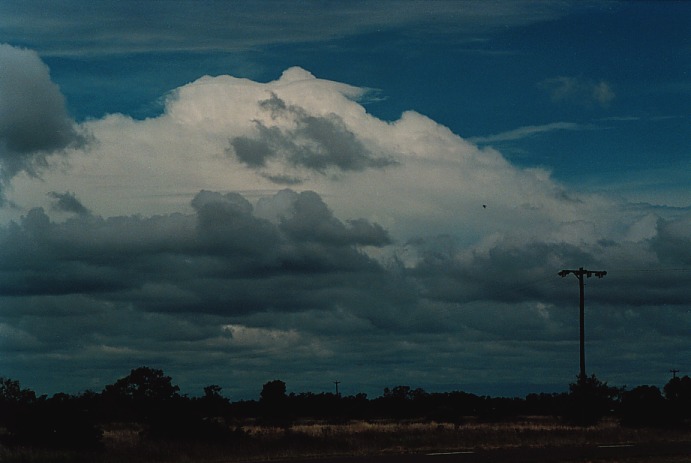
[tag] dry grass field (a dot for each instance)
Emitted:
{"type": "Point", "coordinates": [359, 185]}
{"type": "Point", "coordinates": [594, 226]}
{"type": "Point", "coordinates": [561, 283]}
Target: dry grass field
{"type": "Point", "coordinates": [252, 442]}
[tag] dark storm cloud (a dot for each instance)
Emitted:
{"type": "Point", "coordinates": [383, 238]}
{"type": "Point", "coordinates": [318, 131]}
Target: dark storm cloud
{"type": "Point", "coordinates": [280, 179]}
{"type": "Point", "coordinates": [311, 220]}
{"type": "Point", "coordinates": [289, 253]}
{"type": "Point", "coordinates": [673, 241]}
{"type": "Point", "coordinates": [33, 119]}
{"type": "Point", "coordinates": [68, 202]}
{"type": "Point", "coordinates": [283, 285]}
{"type": "Point", "coordinates": [224, 259]}
{"type": "Point", "coordinates": [315, 143]}
{"type": "Point", "coordinates": [510, 296]}
{"type": "Point", "coordinates": [505, 273]}
{"type": "Point", "coordinates": [226, 225]}
{"type": "Point", "coordinates": [512, 273]}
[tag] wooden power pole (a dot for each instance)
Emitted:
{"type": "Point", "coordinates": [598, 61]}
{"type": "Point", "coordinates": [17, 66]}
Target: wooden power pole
{"type": "Point", "coordinates": [580, 273]}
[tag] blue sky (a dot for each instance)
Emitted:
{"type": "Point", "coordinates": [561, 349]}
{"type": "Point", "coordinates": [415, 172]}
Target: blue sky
{"type": "Point", "coordinates": [236, 192]}
{"type": "Point", "coordinates": [484, 82]}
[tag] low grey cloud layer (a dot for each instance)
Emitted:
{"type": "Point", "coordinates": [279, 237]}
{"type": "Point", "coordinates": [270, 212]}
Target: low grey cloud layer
{"type": "Point", "coordinates": [68, 202]}
{"type": "Point", "coordinates": [223, 261]}
{"type": "Point", "coordinates": [33, 120]}
{"type": "Point", "coordinates": [235, 284]}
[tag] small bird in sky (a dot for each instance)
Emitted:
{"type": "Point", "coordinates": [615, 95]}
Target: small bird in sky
{"type": "Point", "coordinates": [484, 206]}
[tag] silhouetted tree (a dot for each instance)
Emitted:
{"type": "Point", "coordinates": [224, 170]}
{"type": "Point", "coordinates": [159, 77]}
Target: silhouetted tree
{"type": "Point", "coordinates": [212, 392]}
{"type": "Point", "coordinates": [15, 403]}
{"type": "Point", "coordinates": [398, 393]}
{"type": "Point", "coordinates": [11, 391]}
{"type": "Point", "coordinates": [149, 397]}
{"type": "Point", "coordinates": [393, 403]}
{"type": "Point", "coordinates": [643, 406]}
{"type": "Point", "coordinates": [58, 422]}
{"type": "Point", "coordinates": [145, 391]}
{"type": "Point", "coordinates": [274, 401]}
{"type": "Point", "coordinates": [678, 395]}
{"type": "Point", "coordinates": [404, 401]}
{"type": "Point", "coordinates": [273, 391]}
{"type": "Point", "coordinates": [212, 403]}
{"type": "Point", "coordinates": [589, 400]}
{"type": "Point", "coordinates": [143, 384]}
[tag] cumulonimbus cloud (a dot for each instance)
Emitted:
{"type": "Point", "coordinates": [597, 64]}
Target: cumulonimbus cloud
{"type": "Point", "coordinates": [413, 236]}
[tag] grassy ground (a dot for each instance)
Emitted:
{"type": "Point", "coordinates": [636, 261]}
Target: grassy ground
{"type": "Point", "coordinates": [251, 442]}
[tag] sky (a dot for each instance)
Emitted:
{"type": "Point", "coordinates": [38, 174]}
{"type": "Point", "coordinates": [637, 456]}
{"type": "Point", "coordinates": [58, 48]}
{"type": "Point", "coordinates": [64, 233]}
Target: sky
{"type": "Point", "coordinates": [377, 193]}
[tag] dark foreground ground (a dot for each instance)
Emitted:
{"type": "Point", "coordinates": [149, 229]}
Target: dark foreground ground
{"type": "Point", "coordinates": [678, 452]}
{"type": "Point", "coordinates": [525, 440]}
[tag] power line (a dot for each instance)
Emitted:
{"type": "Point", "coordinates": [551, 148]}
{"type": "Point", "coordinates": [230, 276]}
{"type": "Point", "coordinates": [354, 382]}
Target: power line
{"type": "Point", "coordinates": [580, 273]}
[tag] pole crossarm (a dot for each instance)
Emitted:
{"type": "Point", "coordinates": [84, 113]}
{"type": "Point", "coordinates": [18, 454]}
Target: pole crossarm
{"type": "Point", "coordinates": [580, 273]}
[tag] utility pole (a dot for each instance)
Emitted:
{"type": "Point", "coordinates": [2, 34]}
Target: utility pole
{"type": "Point", "coordinates": [674, 372]}
{"type": "Point", "coordinates": [580, 273]}
{"type": "Point", "coordinates": [337, 383]}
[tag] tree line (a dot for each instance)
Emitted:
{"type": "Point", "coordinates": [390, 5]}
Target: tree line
{"type": "Point", "coordinates": [148, 397]}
